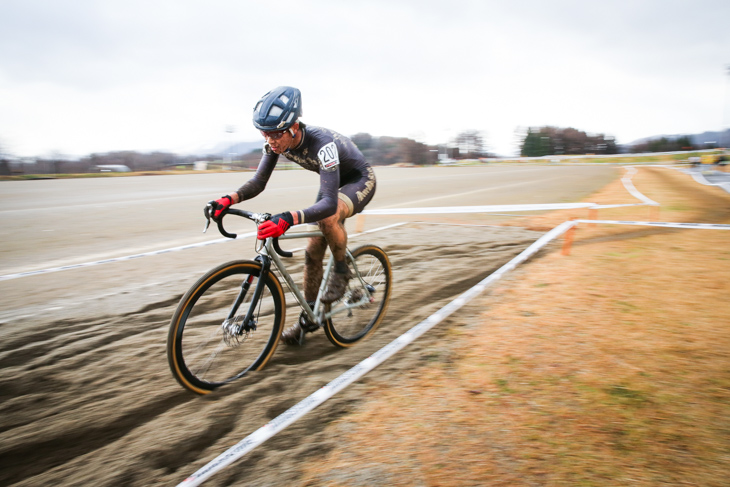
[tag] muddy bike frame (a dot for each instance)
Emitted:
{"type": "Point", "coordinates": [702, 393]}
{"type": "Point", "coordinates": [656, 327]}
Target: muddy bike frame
{"type": "Point", "coordinates": [270, 252]}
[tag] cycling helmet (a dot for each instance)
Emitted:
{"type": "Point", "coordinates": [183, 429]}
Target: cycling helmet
{"type": "Point", "coordinates": [278, 109]}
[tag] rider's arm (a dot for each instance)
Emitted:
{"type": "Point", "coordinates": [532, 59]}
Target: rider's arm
{"type": "Point", "coordinates": [326, 205]}
{"type": "Point", "coordinates": [328, 155]}
{"type": "Point", "coordinates": [257, 183]}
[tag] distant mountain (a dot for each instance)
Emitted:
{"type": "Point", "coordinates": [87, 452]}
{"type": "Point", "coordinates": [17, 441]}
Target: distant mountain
{"type": "Point", "coordinates": [721, 139]}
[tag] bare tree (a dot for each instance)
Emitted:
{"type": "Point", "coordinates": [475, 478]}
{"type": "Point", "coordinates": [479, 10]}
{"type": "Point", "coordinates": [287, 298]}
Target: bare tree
{"type": "Point", "coordinates": [470, 144]}
{"type": "Point", "coordinates": [547, 140]}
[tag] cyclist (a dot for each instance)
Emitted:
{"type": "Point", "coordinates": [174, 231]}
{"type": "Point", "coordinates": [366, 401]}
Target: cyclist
{"type": "Point", "coordinates": [346, 186]}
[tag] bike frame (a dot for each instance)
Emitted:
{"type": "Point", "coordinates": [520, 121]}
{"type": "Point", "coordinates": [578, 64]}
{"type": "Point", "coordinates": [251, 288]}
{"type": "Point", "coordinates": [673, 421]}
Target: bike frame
{"type": "Point", "coordinates": [269, 251]}
{"type": "Point", "coordinates": [319, 313]}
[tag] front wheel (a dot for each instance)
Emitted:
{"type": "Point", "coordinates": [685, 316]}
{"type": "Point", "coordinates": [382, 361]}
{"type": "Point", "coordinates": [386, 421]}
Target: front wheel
{"type": "Point", "coordinates": [366, 299]}
{"type": "Point", "coordinates": [209, 342]}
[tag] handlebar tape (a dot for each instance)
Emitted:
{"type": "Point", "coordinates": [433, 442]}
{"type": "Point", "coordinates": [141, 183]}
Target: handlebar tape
{"type": "Point", "coordinates": [223, 230]}
{"type": "Point", "coordinates": [227, 234]}
{"type": "Point", "coordinates": [279, 250]}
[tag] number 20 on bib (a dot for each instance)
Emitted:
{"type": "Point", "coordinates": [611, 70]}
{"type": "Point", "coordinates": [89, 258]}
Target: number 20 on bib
{"type": "Point", "coordinates": [329, 158]}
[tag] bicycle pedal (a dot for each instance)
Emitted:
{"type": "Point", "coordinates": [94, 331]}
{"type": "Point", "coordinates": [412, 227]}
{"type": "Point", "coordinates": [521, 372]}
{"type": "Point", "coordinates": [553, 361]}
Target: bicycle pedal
{"type": "Point", "coordinates": [305, 324]}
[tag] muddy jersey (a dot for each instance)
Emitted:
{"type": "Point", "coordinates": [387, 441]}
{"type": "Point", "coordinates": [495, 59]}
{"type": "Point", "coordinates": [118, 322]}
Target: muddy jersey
{"type": "Point", "coordinates": [334, 157]}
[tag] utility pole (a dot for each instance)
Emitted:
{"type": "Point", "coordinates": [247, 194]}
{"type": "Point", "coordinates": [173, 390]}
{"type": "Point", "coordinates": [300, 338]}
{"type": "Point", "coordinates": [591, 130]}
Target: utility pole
{"type": "Point", "coordinates": [725, 132]}
{"type": "Point", "coordinates": [228, 160]}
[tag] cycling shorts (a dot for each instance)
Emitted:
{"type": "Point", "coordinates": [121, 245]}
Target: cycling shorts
{"type": "Point", "coordinates": [356, 192]}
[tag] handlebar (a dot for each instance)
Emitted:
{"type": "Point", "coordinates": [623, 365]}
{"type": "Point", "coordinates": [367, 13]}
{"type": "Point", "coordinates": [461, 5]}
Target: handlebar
{"type": "Point", "coordinates": [257, 218]}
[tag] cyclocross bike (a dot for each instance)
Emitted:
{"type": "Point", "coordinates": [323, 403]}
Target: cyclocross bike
{"type": "Point", "coordinates": [230, 320]}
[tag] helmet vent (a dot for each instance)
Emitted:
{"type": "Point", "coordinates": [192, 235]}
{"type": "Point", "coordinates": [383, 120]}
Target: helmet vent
{"type": "Point", "coordinates": [278, 109]}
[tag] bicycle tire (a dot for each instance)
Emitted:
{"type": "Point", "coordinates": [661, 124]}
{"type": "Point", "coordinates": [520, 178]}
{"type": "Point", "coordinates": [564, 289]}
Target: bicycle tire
{"type": "Point", "coordinates": [201, 354]}
{"type": "Point", "coordinates": [344, 329]}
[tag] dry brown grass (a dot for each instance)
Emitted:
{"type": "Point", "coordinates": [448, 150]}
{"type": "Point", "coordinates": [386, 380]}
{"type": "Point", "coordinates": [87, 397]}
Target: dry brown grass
{"type": "Point", "coordinates": [606, 367]}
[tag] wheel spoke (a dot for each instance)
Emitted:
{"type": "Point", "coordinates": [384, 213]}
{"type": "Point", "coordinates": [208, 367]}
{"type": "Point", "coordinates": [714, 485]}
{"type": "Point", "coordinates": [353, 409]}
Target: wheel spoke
{"type": "Point", "coordinates": [204, 349]}
{"type": "Point", "coordinates": [361, 311]}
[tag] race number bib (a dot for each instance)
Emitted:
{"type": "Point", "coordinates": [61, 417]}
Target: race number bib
{"type": "Point", "coordinates": [329, 158]}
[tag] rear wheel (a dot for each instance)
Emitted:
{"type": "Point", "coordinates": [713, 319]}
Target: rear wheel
{"type": "Point", "coordinates": [208, 343]}
{"type": "Point", "coordinates": [366, 299]}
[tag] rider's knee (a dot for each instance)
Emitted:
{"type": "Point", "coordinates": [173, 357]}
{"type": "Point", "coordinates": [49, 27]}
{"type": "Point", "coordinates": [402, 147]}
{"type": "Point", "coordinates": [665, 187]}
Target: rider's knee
{"type": "Point", "coordinates": [312, 260]}
{"type": "Point", "coordinates": [330, 222]}
{"type": "Point", "coordinates": [338, 218]}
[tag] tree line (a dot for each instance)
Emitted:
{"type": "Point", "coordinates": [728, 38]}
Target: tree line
{"type": "Point", "coordinates": [664, 144]}
{"type": "Point", "coordinates": [384, 150]}
{"type": "Point", "coordinates": [547, 141]}
{"type": "Point", "coordinates": [135, 161]}
{"type": "Point", "coordinates": [381, 150]}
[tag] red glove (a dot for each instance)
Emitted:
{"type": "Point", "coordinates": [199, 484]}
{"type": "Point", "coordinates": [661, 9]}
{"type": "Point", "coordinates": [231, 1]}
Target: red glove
{"type": "Point", "coordinates": [275, 226]}
{"type": "Point", "coordinates": [220, 206]}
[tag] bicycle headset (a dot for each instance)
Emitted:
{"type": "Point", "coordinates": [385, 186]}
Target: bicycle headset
{"type": "Point", "coordinates": [278, 109]}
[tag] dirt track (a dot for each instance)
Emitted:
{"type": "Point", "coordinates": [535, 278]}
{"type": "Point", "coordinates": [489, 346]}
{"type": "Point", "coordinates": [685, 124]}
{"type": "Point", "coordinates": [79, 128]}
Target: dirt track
{"type": "Point", "coordinates": [87, 398]}
{"type": "Point", "coordinates": [604, 367]}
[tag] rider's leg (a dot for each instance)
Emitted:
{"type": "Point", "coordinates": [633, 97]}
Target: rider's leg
{"type": "Point", "coordinates": [333, 229]}
{"type": "Point", "coordinates": [352, 199]}
{"type": "Point", "coordinates": [335, 233]}
{"type": "Point", "coordinates": [313, 256]}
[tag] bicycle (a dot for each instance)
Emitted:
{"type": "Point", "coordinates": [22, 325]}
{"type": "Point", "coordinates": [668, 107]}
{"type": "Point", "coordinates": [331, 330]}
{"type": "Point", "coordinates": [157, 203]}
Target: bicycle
{"type": "Point", "coordinates": [229, 322]}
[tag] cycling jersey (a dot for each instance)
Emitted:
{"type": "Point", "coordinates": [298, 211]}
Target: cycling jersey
{"type": "Point", "coordinates": [343, 172]}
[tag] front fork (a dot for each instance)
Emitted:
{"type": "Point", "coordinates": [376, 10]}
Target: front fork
{"type": "Point", "coordinates": [248, 323]}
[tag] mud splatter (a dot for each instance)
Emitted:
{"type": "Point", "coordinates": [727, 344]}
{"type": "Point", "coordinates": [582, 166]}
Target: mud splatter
{"type": "Point", "coordinates": [86, 397]}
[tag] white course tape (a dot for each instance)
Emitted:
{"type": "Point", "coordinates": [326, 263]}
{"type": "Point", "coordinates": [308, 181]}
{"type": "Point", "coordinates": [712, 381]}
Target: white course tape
{"type": "Point", "coordinates": [703, 226]}
{"type": "Point", "coordinates": [476, 209]}
{"type": "Point", "coordinates": [118, 259]}
{"type": "Point", "coordinates": [7, 277]}
{"type": "Point", "coordinates": [700, 178]}
{"type": "Point", "coordinates": [617, 206]}
{"type": "Point", "coordinates": [379, 229]}
{"type": "Point", "coordinates": [309, 403]}
{"type": "Point", "coordinates": [629, 185]}
{"type": "Point", "coordinates": [387, 227]}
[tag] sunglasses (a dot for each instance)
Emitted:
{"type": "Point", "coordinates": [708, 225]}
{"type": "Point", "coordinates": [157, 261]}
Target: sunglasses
{"type": "Point", "coordinates": [273, 135]}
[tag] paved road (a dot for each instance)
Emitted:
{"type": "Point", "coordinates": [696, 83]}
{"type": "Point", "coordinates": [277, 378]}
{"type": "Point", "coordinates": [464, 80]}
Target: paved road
{"type": "Point", "coordinates": [715, 176]}
{"type": "Point", "coordinates": [51, 223]}
{"type": "Point", "coordinates": [87, 394]}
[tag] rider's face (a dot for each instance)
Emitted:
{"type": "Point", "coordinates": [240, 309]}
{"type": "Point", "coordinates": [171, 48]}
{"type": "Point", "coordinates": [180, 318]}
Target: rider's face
{"type": "Point", "coordinates": [281, 141]}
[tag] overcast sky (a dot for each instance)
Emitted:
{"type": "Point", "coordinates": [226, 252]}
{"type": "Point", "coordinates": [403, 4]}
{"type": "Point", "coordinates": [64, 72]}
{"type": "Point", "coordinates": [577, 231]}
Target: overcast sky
{"type": "Point", "coordinates": [86, 76]}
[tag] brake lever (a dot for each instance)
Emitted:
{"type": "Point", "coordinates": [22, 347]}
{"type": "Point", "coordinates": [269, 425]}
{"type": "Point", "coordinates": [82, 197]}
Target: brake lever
{"type": "Point", "coordinates": [206, 212]}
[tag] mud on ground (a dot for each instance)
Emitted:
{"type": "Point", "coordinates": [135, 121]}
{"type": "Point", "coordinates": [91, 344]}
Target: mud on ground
{"type": "Point", "coordinates": [89, 399]}
{"type": "Point", "coordinates": [605, 367]}
{"type": "Point", "coordinates": [535, 383]}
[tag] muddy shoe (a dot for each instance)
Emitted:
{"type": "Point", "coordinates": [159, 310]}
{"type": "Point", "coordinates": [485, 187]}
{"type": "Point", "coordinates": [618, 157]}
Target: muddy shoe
{"type": "Point", "coordinates": [294, 335]}
{"type": "Point", "coordinates": [336, 287]}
